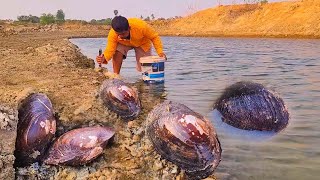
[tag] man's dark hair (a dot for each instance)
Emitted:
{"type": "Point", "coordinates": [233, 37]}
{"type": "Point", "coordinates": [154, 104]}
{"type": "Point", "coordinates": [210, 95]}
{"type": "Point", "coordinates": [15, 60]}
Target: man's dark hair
{"type": "Point", "coordinates": [120, 24]}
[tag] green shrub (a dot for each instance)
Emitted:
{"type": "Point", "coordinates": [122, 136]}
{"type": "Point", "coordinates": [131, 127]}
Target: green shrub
{"type": "Point", "coordinates": [47, 19]}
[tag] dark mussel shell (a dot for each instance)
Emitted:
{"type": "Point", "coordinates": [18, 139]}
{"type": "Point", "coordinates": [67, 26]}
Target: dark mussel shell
{"type": "Point", "coordinates": [79, 146]}
{"type": "Point", "coordinates": [185, 138]}
{"type": "Point", "coordinates": [250, 106]}
{"type": "Point", "coordinates": [120, 98]}
{"type": "Point", "coordinates": [36, 128]}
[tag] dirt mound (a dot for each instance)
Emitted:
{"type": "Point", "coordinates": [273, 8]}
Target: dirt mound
{"type": "Point", "coordinates": [281, 19]}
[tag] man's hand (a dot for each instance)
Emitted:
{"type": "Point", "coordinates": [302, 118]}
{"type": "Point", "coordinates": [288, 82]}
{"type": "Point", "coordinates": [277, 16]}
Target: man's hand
{"type": "Point", "coordinates": [101, 59]}
{"type": "Point", "coordinates": [163, 55]}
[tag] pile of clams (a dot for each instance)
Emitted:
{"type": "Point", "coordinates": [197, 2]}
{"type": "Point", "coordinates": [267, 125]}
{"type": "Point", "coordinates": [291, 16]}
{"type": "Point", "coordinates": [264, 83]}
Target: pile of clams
{"type": "Point", "coordinates": [120, 98]}
{"type": "Point", "coordinates": [178, 134]}
{"type": "Point", "coordinates": [184, 138]}
{"type": "Point", "coordinates": [36, 130]}
{"type": "Point", "coordinates": [251, 106]}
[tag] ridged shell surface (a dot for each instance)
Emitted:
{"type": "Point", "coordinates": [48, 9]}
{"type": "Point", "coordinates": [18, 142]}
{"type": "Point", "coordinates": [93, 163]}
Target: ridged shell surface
{"type": "Point", "coordinates": [36, 128]}
{"type": "Point", "coordinates": [251, 106]}
{"type": "Point", "coordinates": [185, 138]}
{"type": "Point", "coordinates": [120, 98]}
{"type": "Point", "coordinates": [79, 146]}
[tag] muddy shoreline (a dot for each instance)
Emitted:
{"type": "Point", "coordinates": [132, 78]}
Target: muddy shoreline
{"type": "Point", "coordinates": [46, 62]}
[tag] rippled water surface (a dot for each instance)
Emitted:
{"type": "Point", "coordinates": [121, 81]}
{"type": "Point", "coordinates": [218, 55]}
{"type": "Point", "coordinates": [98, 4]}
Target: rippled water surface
{"type": "Point", "coordinates": [198, 70]}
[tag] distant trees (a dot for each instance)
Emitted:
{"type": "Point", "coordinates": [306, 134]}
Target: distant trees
{"type": "Point", "coordinates": [30, 18]}
{"type": "Point", "coordinates": [219, 2]}
{"type": "Point", "coordinates": [60, 16]}
{"type": "Point", "coordinates": [23, 18]}
{"type": "Point", "coordinates": [101, 21]}
{"type": "Point", "coordinates": [147, 18]}
{"type": "Point", "coordinates": [34, 19]}
{"type": "Point", "coordinates": [47, 18]}
{"type": "Point", "coordinates": [255, 1]}
{"type": "Point", "coordinates": [44, 18]}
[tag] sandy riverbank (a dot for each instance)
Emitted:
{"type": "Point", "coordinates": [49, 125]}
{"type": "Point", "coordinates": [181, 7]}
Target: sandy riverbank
{"type": "Point", "coordinates": [47, 62]}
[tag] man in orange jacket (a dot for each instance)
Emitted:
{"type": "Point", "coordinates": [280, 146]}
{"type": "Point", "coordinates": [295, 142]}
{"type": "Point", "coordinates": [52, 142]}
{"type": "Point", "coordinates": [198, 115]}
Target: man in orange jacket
{"type": "Point", "coordinates": [127, 34]}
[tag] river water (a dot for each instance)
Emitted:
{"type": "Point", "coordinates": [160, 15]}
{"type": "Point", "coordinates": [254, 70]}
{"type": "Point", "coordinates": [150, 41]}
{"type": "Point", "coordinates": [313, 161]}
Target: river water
{"type": "Point", "coordinates": [199, 69]}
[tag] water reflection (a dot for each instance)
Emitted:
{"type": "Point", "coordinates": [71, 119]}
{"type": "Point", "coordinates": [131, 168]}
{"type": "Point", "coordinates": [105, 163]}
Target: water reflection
{"type": "Point", "coordinates": [153, 89]}
{"type": "Point", "coordinates": [240, 134]}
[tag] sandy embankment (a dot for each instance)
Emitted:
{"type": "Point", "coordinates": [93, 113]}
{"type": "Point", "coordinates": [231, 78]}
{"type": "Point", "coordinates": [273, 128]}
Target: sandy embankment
{"type": "Point", "coordinates": [293, 19]}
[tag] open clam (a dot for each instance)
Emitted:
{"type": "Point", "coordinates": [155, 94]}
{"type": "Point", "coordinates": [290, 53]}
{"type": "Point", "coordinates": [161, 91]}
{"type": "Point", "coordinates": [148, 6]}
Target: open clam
{"type": "Point", "coordinates": [251, 106]}
{"type": "Point", "coordinates": [120, 98]}
{"type": "Point", "coordinates": [79, 146]}
{"type": "Point", "coordinates": [36, 128]}
{"type": "Point", "coordinates": [185, 138]}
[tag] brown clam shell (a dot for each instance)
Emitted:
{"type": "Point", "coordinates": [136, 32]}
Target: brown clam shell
{"type": "Point", "coordinates": [185, 138]}
{"type": "Point", "coordinates": [120, 98]}
{"type": "Point", "coordinates": [79, 146]}
{"type": "Point", "coordinates": [251, 106]}
{"type": "Point", "coordinates": [36, 128]}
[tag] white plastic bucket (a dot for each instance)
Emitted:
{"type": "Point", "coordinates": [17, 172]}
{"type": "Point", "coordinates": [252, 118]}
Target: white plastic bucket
{"type": "Point", "coordinates": [152, 69]}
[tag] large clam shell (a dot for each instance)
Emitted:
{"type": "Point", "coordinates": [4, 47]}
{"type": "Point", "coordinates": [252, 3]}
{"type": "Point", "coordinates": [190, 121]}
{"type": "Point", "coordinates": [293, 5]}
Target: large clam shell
{"type": "Point", "coordinates": [251, 106]}
{"type": "Point", "coordinates": [36, 128]}
{"type": "Point", "coordinates": [120, 98]}
{"type": "Point", "coordinates": [79, 146]}
{"type": "Point", "coordinates": [185, 138]}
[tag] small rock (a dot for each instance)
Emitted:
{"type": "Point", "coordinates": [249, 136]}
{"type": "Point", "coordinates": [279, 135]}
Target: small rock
{"type": "Point", "coordinates": [157, 166]}
{"type": "Point", "coordinates": [174, 170]}
{"type": "Point", "coordinates": [136, 138]}
{"type": "Point", "coordinates": [71, 176]}
{"type": "Point", "coordinates": [126, 134]}
{"type": "Point", "coordinates": [131, 124]}
{"type": "Point", "coordinates": [106, 172]}
{"type": "Point", "coordinates": [181, 176]}
{"type": "Point", "coordinates": [98, 174]}
{"type": "Point", "coordinates": [95, 82]}
{"type": "Point", "coordinates": [98, 69]}
{"type": "Point", "coordinates": [102, 178]}
{"type": "Point", "coordinates": [35, 154]}
{"type": "Point", "coordinates": [135, 171]}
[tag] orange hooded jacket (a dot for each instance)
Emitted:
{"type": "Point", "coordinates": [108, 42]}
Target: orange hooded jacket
{"type": "Point", "coordinates": [141, 35]}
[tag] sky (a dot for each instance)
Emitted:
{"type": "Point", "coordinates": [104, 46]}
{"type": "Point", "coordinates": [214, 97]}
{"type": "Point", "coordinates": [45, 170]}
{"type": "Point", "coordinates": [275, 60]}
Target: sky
{"type": "Point", "coordinates": [101, 9]}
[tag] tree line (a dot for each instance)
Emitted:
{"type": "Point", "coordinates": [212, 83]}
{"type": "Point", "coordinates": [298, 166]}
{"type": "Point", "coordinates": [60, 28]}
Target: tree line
{"type": "Point", "coordinates": [49, 18]}
{"type": "Point", "coordinates": [59, 18]}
